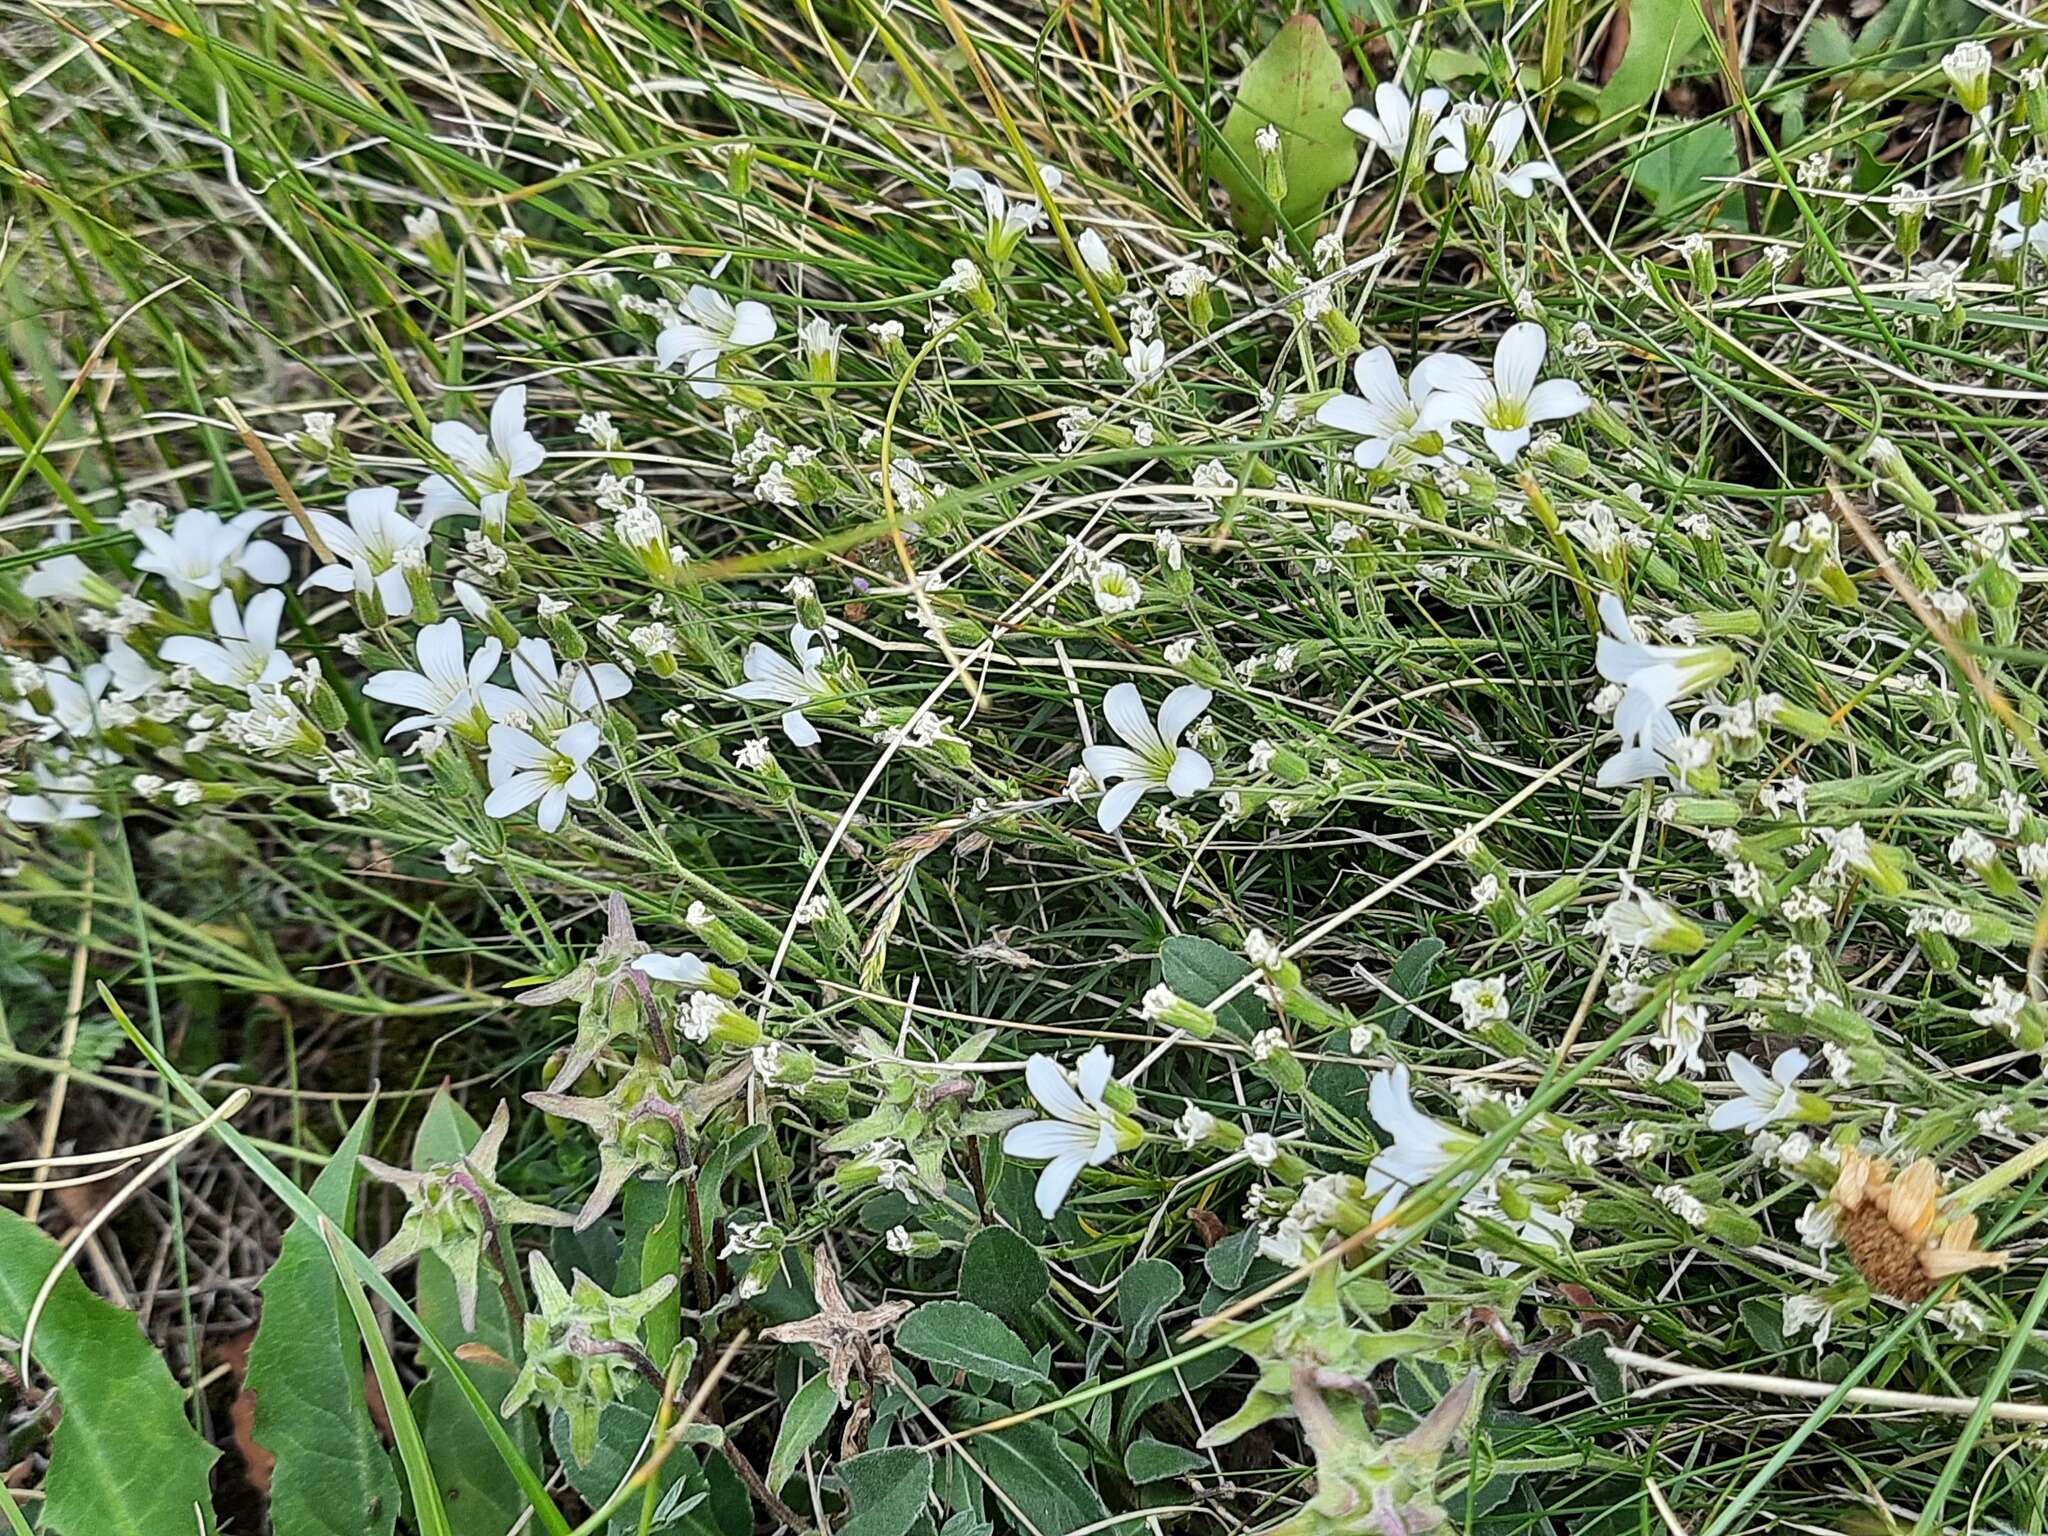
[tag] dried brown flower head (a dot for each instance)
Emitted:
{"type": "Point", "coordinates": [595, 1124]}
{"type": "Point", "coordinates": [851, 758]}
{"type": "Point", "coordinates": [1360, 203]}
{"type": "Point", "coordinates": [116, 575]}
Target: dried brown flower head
{"type": "Point", "coordinates": [1894, 1230]}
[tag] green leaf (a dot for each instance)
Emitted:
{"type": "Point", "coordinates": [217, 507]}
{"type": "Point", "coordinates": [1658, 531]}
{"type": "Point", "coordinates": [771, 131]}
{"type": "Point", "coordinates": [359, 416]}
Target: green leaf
{"type": "Point", "coordinates": [1200, 970]}
{"type": "Point", "coordinates": [1147, 1289]}
{"type": "Point", "coordinates": [1027, 1463]}
{"type": "Point", "coordinates": [1828, 44]}
{"type": "Point", "coordinates": [124, 1461]}
{"type": "Point", "coordinates": [1152, 1461]}
{"type": "Point", "coordinates": [961, 1336]}
{"type": "Point", "coordinates": [1231, 1260]}
{"type": "Point", "coordinates": [885, 1490]}
{"type": "Point", "coordinates": [1675, 171]}
{"type": "Point", "coordinates": [333, 1475]}
{"type": "Point", "coordinates": [1003, 1273]}
{"type": "Point", "coordinates": [1661, 34]}
{"type": "Point", "coordinates": [802, 1422]}
{"type": "Point", "coordinates": [1296, 85]}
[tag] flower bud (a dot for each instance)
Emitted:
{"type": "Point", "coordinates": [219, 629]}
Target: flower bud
{"type": "Point", "coordinates": [1165, 1007]}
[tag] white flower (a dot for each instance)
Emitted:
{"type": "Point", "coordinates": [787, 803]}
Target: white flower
{"type": "Point", "coordinates": [775, 679]}
{"type": "Point", "coordinates": [1515, 399]}
{"type": "Point", "coordinates": [525, 770]}
{"type": "Point", "coordinates": [1386, 413]}
{"type": "Point", "coordinates": [367, 548]}
{"type": "Point", "coordinates": [1652, 678]}
{"type": "Point", "coordinates": [63, 792]}
{"type": "Point", "coordinates": [1684, 1031]}
{"type": "Point", "coordinates": [74, 701]}
{"type": "Point", "coordinates": [1004, 223]}
{"type": "Point", "coordinates": [1095, 253]}
{"type": "Point", "coordinates": [243, 652]}
{"type": "Point", "coordinates": [1262, 1148]}
{"type": "Point", "coordinates": [2013, 232]}
{"type": "Point", "coordinates": [683, 970]}
{"type": "Point", "coordinates": [446, 690]}
{"type": "Point", "coordinates": [1419, 1148]}
{"type": "Point", "coordinates": [1195, 1126]}
{"type": "Point", "coordinates": [714, 327]}
{"type": "Point", "coordinates": [543, 697]}
{"type": "Point", "coordinates": [1084, 1131]}
{"type": "Point", "coordinates": [1145, 361]}
{"type": "Point", "coordinates": [1398, 123]}
{"type": "Point", "coordinates": [1817, 1226]}
{"type": "Point", "coordinates": [1814, 1312]}
{"type": "Point", "coordinates": [1482, 1001]}
{"type": "Point", "coordinates": [201, 551]}
{"type": "Point", "coordinates": [459, 857]}
{"type": "Point", "coordinates": [1114, 588]}
{"type": "Point", "coordinates": [1503, 142]}
{"type": "Point", "coordinates": [1638, 920]}
{"type": "Point", "coordinates": [492, 465]}
{"type": "Point", "coordinates": [1764, 1100]}
{"type": "Point", "coordinates": [1151, 757]}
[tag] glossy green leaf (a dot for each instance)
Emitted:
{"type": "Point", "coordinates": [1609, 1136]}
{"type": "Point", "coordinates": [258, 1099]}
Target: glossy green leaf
{"type": "Point", "coordinates": [1296, 85]}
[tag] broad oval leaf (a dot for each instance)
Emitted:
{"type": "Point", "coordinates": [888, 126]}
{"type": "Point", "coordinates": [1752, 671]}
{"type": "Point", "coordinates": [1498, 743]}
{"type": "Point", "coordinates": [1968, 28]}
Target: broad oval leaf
{"type": "Point", "coordinates": [961, 1336]}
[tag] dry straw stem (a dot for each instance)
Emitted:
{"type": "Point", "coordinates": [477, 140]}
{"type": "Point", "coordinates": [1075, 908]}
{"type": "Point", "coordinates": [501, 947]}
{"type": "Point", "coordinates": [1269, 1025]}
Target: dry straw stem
{"type": "Point", "coordinates": [1677, 1377]}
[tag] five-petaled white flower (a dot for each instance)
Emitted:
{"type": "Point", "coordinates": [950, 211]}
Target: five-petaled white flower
{"type": "Point", "coordinates": [1397, 122]}
{"type": "Point", "coordinates": [1386, 413]}
{"type": "Point", "coordinates": [1420, 1148]}
{"type": "Point", "coordinates": [776, 679]}
{"type": "Point", "coordinates": [491, 465]}
{"type": "Point", "coordinates": [525, 770]}
{"type": "Point", "coordinates": [1507, 406]}
{"type": "Point", "coordinates": [201, 551]}
{"type": "Point", "coordinates": [243, 652]}
{"type": "Point", "coordinates": [74, 702]}
{"type": "Point", "coordinates": [1652, 679]}
{"type": "Point", "coordinates": [543, 697]}
{"type": "Point", "coordinates": [1151, 756]}
{"type": "Point", "coordinates": [63, 792]}
{"type": "Point", "coordinates": [1764, 1100]}
{"type": "Point", "coordinates": [367, 548]}
{"type": "Point", "coordinates": [712, 326]}
{"type": "Point", "coordinates": [1004, 222]}
{"type": "Point", "coordinates": [446, 690]}
{"type": "Point", "coordinates": [1084, 1131]}
{"type": "Point", "coordinates": [1496, 153]}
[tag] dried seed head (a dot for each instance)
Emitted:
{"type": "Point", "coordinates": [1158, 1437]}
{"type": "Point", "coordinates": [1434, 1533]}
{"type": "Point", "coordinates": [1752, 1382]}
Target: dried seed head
{"type": "Point", "coordinates": [1893, 1229]}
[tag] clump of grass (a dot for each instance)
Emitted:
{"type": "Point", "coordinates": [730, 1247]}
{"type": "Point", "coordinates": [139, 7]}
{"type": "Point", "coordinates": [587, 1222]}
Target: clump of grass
{"type": "Point", "coordinates": [1118, 802]}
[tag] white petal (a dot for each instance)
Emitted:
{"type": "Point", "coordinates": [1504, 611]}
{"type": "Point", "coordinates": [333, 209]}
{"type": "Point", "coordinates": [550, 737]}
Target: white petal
{"type": "Point", "coordinates": [1094, 1071]}
{"type": "Point", "coordinates": [1050, 1087]}
{"type": "Point", "coordinates": [1049, 1139]}
{"type": "Point", "coordinates": [1555, 399]}
{"type": "Point", "coordinates": [514, 795]}
{"type": "Point", "coordinates": [439, 648]}
{"type": "Point", "coordinates": [1054, 1183]}
{"type": "Point", "coordinates": [1107, 763]}
{"type": "Point", "coordinates": [1192, 773]}
{"type": "Point", "coordinates": [1118, 803]}
{"type": "Point", "coordinates": [799, 730]}
{"type": "Point", "coordinates": [1181, 709]}
{"type": "Point", "coordinates": [1124, 709]}
{"type": "Point", "coordinates": [1349, 413]}
{"type": "Point", "coordinates": [1788, 1067]}
{"type": "Point", "coordinates": [1518, 360]}
{"type": "Point", "coordinates": [1379, 381]}
{"type": "Point", "coordinates": [753, 323]}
